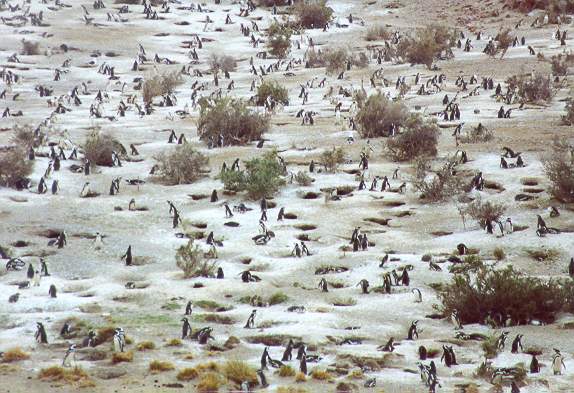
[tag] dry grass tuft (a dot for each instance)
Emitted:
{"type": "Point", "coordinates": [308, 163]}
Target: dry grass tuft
{"type": "Point", "coordinates": [15, 354]}
{"type": "Point", "coordinates": [145, 346]}
{"type": "Point", "coordinates": [187, 374]}
{"type": "Point", "coordinates": [74, 376]}
{"type": "Point", "coordinates": [239, 372]}
{"type": "Point", "coordinates": [160, 366]}
{"type": "Point", "coordinates": [209, 383]}
{"type": "Point", "coordinates": [122, 357]}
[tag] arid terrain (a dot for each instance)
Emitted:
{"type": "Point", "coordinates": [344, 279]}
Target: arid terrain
{"type": "Point", "coordinates": [345, 328]}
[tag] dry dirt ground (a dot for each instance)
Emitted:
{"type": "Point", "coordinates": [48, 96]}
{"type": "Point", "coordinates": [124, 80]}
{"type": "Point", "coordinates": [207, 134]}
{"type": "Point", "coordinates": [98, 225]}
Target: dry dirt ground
{"type": "Point", "coordinates": [91, 282]}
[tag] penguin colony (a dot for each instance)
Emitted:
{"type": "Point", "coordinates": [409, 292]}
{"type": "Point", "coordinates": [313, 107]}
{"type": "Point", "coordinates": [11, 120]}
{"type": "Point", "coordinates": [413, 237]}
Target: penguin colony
{"type": "Point", "coordinates": [335, 276]}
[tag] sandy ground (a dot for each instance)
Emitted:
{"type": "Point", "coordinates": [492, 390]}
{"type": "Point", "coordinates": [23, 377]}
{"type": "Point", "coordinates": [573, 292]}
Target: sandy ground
{"type": "Point", "coordinates": [91, 282]}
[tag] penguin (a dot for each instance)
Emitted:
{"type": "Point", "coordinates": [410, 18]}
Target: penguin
{"type": "Point", "coordinates": [65, 331]}
{"type": "Point", "coordinates": [264, 357]}
{"type": "Point", "coordinates": [220, 274]}
{"type": "Point", "coordinates": [446, 356]}
{"type": "Point", "coordinates": [557, 362]}
{"type": "Point", "coordinates": [287, 354]}
{"type": "Point", "coordinates": [262, 378]}
{"type": "Point", "coordinates": [40, 335]}
{"type": "Point", "coordinates": [132, 205]}
{"type": "Point", "coordinates": [324, 287]}
{"type": "Point", "coordinates": [423, 353]}
{"type": "Point", "coordinates": [418, 295]}
{"type": "Point", "coordinates": [214, 197]}
{"type": "Point", "coordinates": [250, 324]}
{"type": "Point", "coordinates": [370, 383]}
{"type": "Point", "coordinates": [455, 318]}
{"type": "Point", "coordinates": [30, 273]}
{"type": "Point", "coordinates": [55, 187]}
{"type": "Point", "coordinates": [405, 279]}
{"type": "Point", "coordinates": [42, 186]}
{"type": "Point", "coordinates": [85, 190]}
{"type": "Point", "coordinates": [303, 365]}
{"type": "Point", "coordinates": [413, 332]}
{"type": "Point", "coordinates": [389, 346]}
{"type": "Point", "coordinates": [98, 241]}
{"type": "Point", "coordinates": [571, 268]}
{"type": "Point", "coordinates": [128, 256]}
{"type": "Point", "coordinates": [119, 340]}
{"type": "Point", "coordinates": [364, 286]}
{"type": "Point", "coordinates": [514, 388]}
{"type": "Point", "coordinates": [501, 341]}
{"type": "Point", "coordinates": [185, 328]}
{"type": "Point", "coordinates": [534, 365]}
{"type": "Point", "coordinates": [71, 351]}
{"type": "Point", "coordinates": [517, 344]}
{"type": "Point", "coordinates": [52, 291]}
{"type": "Point", "coordinates": [188, 308]}
{"type": "Point", "coordinates": [44, 267]}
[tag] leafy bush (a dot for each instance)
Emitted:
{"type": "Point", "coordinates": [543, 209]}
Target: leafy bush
{"type": "Point", "coordinates": [559, 168]}
{"type": "Point", "coordinates": [331, 159]}
{"type": "Point", "coordinates": [378, 114]}
{"type": "Point", "coordinates": [335, 60]}
{"type": "Point", "coordinates": [568, 118]}
{"type": "Point", "coordinates": [484, 212]}
{"type": "Point", "coordinates": [182, 165]}
{"type": "Point", "coordinates": [232, 119]}
{"type": "Point", "coordinates": [161, 84]}
{"type": "Point", "coordinates": [303, 179]}
{"type": "Point", "coordinates": [14, 166]}
{"type": "Point", "coordinates": [427, 45]}
{"type": "Point", "coordinates": [98, 148]}
{"type": "Point", "coordinates": [274, 90]}
{"type": "Point", "coordinates": [24, 136]}
{"type": "Point", "coordinates": [420, 138]}
{"type": "Point", "coordinates": [279, 39]}
{"type": "Point", "coordinates": [531, 88]}
{"type": "Point", "coordinates": [477, 134]}
{"type": "Point", "coordinates": [313, 14]}
{"type": "Point", "coordinates": [262, 177]}
{"type": "Point", "coordinates": [223, 63]}
{"type": "Point", "coordinates": [189, 258]}
{"type": "Point", "coordinates": [505, 293]}
{"type": "Point", "coordinates": [438, 186]}
{"type": "Point", "coordinates": [376, 33]}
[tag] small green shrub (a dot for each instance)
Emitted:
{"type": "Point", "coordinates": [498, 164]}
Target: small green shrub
{"type": "Point", "coordinates": [189, 258]}
{"type": "Point", "coordinates": [333, 158]}
{"type": "Point", "coordinates": [378, 113]}
{"type": "Point", "coordinates": [262, 177]}
{"type": "Point", "coordinates": [420, 138]}
{"type": "Point", "coordinates": [182, 165]}
{"type": "Point", "coordinates": [279, 39]}
{"type": "Point", "coordinates": [274, 90]}
{"type": "Point", "coordinates": [313, 14]}
{"type": "Point", "coordinates": [232, 119]}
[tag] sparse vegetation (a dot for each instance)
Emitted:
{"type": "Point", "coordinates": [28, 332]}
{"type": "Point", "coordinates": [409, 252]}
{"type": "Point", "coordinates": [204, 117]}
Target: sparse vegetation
{"type": "Point", "coordinates": [420, 138]}
{"type": "Point", "coordinates": [278, 298]}
{"type": "Point", "coordinates": [555, 6]}
{"type": "Point", "coordinates": [274, 90]}
{"type": "Point", "coordinates": [122, 357]}
{"type": "Point", "coordinates": [499, 254]}
{"type": "Point", "coordinates": [145, 346]}
{"type": "Point", "coordinates": [160, 84]}
{"type": "Point", "coordinates": [286, 371]}
{"type": "Point", "coordinates": [378, 114]}
{"type": "Point", "coordinates": [221, 63]}
{"type": "Point", "coordinates": [14, 355]}
{"type": "Point", "coordinates": [438, 186]}
{"type": "Point", "coordinates": [14, 167]}
{"type": "Point", "coordinates": [30, 48]}
{"type": "Point", "coordinates": [187, 374]}
{"type": "Point", "coordinates": [74, 376]}
{"type": "Point", "coordinates": [321, 375]}
{"type": "Point", "coordinates": [484, 212]}
{"type": "Point", "coordinates": [568, 117]}
{"type": "Point", "coordinates": [262, 177]}
{"type": "Point", "coordinates": [182, 165]}
{"type": "Point", "coordinates": [543, 254]}
{"type": "Point", "coordinates": [331, 159]}
{"type": "Point", "coordinates": [377, 32]}
{"type": "Point", "coordinates": [303, 179]}
{"type": "Point", "coordinates": [174, 342]}
{"type": "Point", "coordinates": [189, 258]}
{"type": "Point", "coordinates": [279, 39]}
{"type": "Point", "coordinates": [209, 382]}
{"type": "Point", "coordinates": [313, 14]}
{"type": "Point", "coordinates": [231, 119]}
{"type": "Point", "coordinates": [160, 366]}
{"type": "Point", "coordinates": [477, 134]}
{"type": "Point", "coordinates": [239, 372]}
{"type": "Point", "coordinates": [560, 63]}
{"type": "Point", "coordinates": [531, 88]}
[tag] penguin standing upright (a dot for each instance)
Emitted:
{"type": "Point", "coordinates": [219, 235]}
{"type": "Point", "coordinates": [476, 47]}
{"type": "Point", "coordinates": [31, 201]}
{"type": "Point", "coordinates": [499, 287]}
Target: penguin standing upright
{"type": "Point", "coordinates": [52, 291]}
{"type": "Point", "coordinates": [413, 332]}
{"type": "Point", "coordinates": [185, 328]}
{"type": "Point", "coordinates": [534, 365]}
{"type": "Point", "coordinates": [119, 340]}
{"type": "Point", "coordinates": [557, 362]}
{"type": "Point", "coordinates": [71, 352]}
{"type": "Point", "coordinates": [188, 308]}
{"type": "Point", "coordinates": [41, 335]}
{"type": "Point", "coordinates": [303, 365]}
{"type": "Point", "coordinates": [128, 256]}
